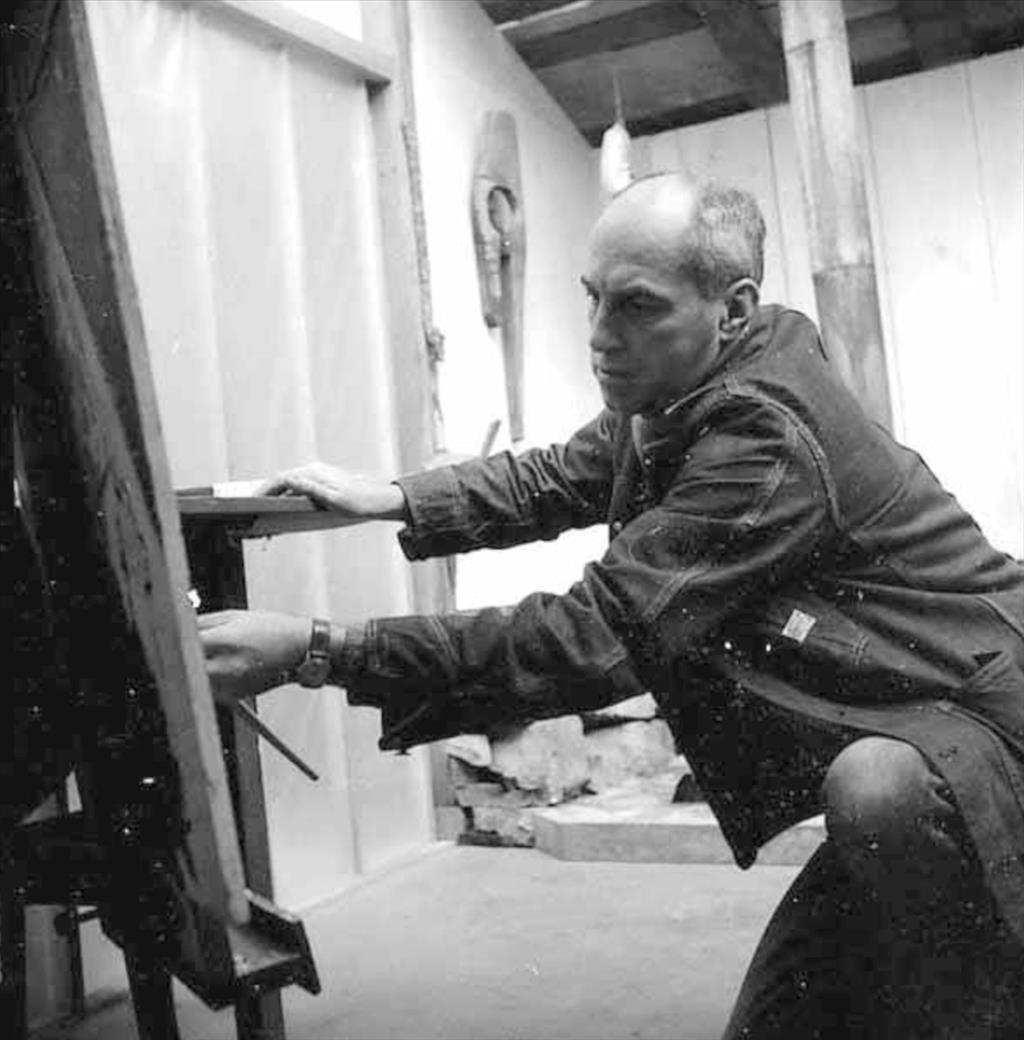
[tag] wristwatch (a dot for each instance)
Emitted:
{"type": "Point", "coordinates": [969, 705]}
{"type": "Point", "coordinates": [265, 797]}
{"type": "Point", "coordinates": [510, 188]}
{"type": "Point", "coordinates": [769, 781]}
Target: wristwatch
{"type": "Point", "coordinates": [316, 665]}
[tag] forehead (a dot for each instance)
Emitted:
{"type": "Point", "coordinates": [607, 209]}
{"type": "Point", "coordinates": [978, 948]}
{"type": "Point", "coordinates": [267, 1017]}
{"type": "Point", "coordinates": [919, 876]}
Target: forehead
{"type": "Point", "coordinates": [641, 234]}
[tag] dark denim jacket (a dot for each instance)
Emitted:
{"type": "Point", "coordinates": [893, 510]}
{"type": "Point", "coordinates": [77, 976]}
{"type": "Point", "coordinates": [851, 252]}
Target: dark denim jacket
{"type": "Point", "coordinates": [781, 574]}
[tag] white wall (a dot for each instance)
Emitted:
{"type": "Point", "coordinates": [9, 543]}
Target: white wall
{"type": "Point", "coordinates": [944, 161]}
{"type": "Point", "coordinates": [246, 176]}
{"type": "Point", "coordinates": [247, 179]}
{"type": "Point", "coordinates": [462, 68]}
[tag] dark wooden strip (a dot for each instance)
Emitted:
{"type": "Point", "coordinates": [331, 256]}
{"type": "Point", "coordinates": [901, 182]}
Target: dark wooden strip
{"type": "Point", "coordinates": [749, 46]}
{"type": "Point", "coordinates": [547, 23]}
{"type": "Point", "coordinates": [620, 31]}
{"type": "Point", "coordinates": [673, 118]}
{"type": "Point", "coordinates": [940, 32]}
{"type": "Point", "coordinates": [501, 11]}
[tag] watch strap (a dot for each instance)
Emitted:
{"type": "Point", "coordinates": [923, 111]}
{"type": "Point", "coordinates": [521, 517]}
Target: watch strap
{"type": "Point", "coordinates": [316, 665]}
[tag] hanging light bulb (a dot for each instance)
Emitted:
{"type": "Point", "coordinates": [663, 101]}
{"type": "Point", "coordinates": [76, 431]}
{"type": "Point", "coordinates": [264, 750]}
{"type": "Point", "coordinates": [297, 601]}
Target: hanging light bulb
{"type": "Point", "coordinates": [615, 148]}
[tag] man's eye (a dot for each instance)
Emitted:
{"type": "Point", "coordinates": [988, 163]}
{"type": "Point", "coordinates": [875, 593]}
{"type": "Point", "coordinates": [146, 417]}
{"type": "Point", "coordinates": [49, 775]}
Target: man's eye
{"type": "Point", "coordinates": [591, 302]}
{"type": "Point", "coordinates": [639, 306]}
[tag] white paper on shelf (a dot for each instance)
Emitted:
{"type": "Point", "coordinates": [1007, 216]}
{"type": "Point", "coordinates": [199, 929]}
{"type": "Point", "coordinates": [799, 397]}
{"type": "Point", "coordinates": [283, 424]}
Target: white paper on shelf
{"type": "Point", "coordinates": [236, 489]}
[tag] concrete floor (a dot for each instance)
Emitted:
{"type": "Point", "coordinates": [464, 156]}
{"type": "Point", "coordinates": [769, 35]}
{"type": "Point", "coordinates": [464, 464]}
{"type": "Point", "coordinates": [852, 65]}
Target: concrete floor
{"type": "Point", "coordinates": [511, 944]}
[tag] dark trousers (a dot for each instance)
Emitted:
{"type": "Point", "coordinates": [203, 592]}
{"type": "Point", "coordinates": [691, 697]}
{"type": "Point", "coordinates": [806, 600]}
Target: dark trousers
{"type": "Point", "coordinates": [889, 931]}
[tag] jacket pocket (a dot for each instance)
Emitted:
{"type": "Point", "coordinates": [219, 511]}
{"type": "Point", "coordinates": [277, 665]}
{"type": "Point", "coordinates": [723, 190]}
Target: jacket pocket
{"type": "Point", "coordinates": [812, 627]}
{"type": "Point", "coordinates": [995, 692]}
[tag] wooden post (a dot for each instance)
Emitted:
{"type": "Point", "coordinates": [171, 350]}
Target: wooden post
{"type": "Point", "coordinates": [842, 264]}
{"type": "Point", "coordinates": [414, 342]}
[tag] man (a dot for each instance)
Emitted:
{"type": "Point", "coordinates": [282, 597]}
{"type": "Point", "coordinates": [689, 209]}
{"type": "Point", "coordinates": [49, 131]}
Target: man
{"type": "Point", "coordinates": [824, 628]}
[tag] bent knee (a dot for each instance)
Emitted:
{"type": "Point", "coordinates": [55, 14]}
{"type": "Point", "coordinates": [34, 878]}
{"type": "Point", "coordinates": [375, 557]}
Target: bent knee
{"type": "Point", "coordinates": [875, 789]}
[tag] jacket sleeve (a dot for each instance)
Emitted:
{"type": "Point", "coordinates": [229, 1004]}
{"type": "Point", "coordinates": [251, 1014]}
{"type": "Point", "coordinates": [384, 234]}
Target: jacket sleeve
{"type": "Point", "coordinates": [507, 500]}
{"type": "Point", "coordinates": [745, 507]}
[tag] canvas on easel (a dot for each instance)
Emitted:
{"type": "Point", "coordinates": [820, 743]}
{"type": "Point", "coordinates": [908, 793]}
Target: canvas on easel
{"type": "Point", "coordinates": [110, 680]}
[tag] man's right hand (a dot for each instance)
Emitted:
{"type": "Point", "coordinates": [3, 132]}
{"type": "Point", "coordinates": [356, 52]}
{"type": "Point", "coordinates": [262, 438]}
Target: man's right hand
{"type": "Point", "coordinates": [339, 491]}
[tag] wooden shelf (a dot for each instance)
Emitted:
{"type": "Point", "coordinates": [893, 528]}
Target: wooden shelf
{"type": "Point", "coordinates": [262, 517]}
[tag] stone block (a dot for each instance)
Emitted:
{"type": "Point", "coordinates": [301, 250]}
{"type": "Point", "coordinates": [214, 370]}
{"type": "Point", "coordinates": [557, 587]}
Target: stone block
{"type": "Point", "coordinates": [641, 748]}
{"type": "Point", "coordinates": [506, 826]}
{"type": "Point", "coordinates": [549, 757]}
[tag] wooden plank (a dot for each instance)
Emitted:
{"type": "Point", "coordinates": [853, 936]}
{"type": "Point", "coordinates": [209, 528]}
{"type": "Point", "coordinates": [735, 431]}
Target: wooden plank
{"type": "Point", "coordinates": [663, 120]}
{"type": "Point", "coordinates": [997, 22]}
{"type": "Point", "coordinates": [571, 16]}
{"type": "Point", "coordinates": [742, 35]}
{"type": "Point", "coordinates": [64, 153]}
{"type": "Point", "coordinates": [387, 24]}
{"type": "Point", "coordinates": [612, 33]}
{"type": "Point", "coordinates": [264, 517]}
{"type": "Point", "coordinates": [284, 26]}
{"type": "Point", "coordinates": [940, 32]}
{"type": "Point", "coordinates": [218, 568]}
{"type": "Point", "coordinates": [504, 11]}
{"type": "Point", "coordinates": [792, 228]}
{"type": "Point", "coordinates": [673, 73]}
{"type": "Point", "coordinates": [842, 264]}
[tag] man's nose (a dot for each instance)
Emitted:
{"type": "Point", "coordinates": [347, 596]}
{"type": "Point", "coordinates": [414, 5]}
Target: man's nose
{"type": "Point", "coordinates": [603, 336]}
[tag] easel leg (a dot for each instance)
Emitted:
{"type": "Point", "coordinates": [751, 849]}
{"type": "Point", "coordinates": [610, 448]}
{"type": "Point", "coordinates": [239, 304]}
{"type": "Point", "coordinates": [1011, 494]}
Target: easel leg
{"type": "Point", "coordinates": [153, 998]}
{"type": "Point", "coordinates": [260, 1018]}
{"type": "Point", "coordinates": [14, 987]}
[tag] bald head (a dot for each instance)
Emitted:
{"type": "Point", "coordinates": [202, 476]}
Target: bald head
{"type": "Point", "coordinates": [711, 234]}
{"type": "Point", "coordinates": [671, 279]}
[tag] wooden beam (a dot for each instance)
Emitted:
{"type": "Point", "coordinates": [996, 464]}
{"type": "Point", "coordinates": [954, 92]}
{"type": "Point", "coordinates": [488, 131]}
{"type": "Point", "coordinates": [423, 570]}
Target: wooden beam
{"type": "Point", "coordinates": [940, 30]}
{"type": "Point", "coordinates": [996, 15]}
{"type": "Point", "coordinates": [572, 16]}
{"type": "Point", "coordinates": [835, 200]}
{"type": "Point", "coordinates": [502, 12]}
{"type": "Point", "coordinates": [403, 231]}
{"type": "Point", "coordinates": [662, 119]}
{"type": "Point", "coordinates": [749, 46]}
{"type": "Point", "coordinates": [629, 28]}
{"type": "Point", "coordinates": [282, 25]}
{"type": "Point", "coordinates": [674, 72]}
{"type": "Point", "coordinates": [387, 24]}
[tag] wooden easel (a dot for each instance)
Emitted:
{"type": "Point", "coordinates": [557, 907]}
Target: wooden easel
{"type": "Point", "coordinates": [108, 674]}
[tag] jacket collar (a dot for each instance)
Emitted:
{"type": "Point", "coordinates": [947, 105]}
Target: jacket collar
{"type": "Point", "coordinates": [750, 345]}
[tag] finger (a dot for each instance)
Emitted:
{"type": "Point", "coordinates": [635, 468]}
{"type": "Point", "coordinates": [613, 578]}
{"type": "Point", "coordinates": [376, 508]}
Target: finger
{"type": "Point", "coordinates": [294, 480]}
{"type": "Point", "coordinates": [307, 484]}
{"type": "Point", "coordinates": [215, 618]}
{"type": "Point", "coordinates": [275, 485]}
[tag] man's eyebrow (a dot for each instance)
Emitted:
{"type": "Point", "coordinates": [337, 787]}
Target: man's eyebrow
{"type": "Point", "coordinates": [629, 288]}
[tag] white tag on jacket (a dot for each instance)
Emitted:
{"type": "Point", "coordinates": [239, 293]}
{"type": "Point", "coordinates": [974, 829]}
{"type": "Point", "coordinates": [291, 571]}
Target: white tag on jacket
{"type": "Point", "coordinates": [798, 625]}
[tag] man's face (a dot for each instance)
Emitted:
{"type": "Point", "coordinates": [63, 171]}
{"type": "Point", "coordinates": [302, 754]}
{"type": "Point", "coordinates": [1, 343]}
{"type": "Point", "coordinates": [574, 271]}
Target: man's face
{"type": "Point", "coordinates": [653, 338]}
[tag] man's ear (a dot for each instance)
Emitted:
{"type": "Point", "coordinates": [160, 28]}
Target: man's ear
{"type": "Point", "coordinates": [740, 301]}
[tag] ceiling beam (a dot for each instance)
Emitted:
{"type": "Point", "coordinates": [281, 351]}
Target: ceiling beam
{"type": "Point", "coordinates": [657, 121]}
{"type": "Point", "coordinates": [505, 11]}
{"type": "Point", "coordinates": [638, 24]}
{"type": "Point", "coordinates": [742, 35]}
{"type": "Point", "coordinates": [939, 30]}
{"type": "Point", "coordinates": [571, 16]}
